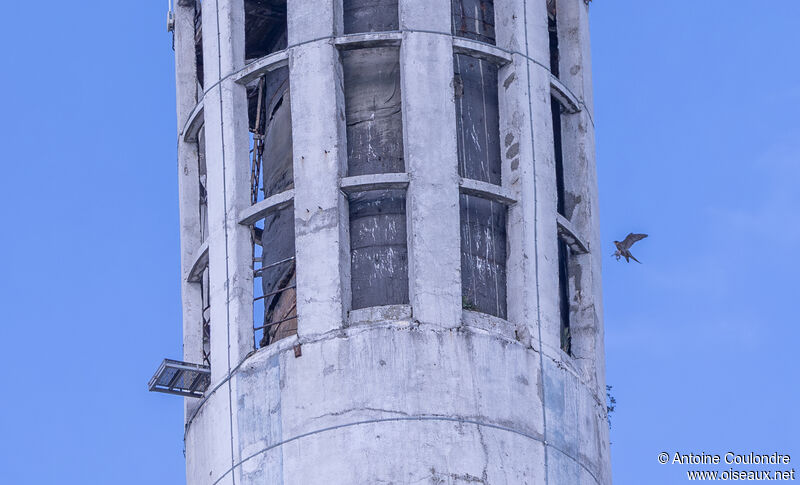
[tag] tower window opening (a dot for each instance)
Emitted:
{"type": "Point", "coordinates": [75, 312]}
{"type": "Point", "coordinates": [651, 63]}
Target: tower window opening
{"type": "Point", "coordinates": [198, 44]}
{"type": "Point", "coordinates": [275, 296]}
{"type": "Point", "coordinates": [370, 16]}
{"type": "Point", "coordinates": [265, 24]}
{"type": "Point", "coordinates": [477, 119]}
{"type": "Point", "coordinates": [558, 153]}
{"type": "Point", "coordinates": [552, 29]}
{"type": "Point", "coordinates": [203, 183]}
{"type": "Point", "coordinates": [270, 135]}
{"type": "Point", "coordinates": [205, 315]}
{"type": "Point", "coordinates": [271, 159]}
{"type": "Point", "coordinates": [474, 19]}
{"type": "Point", "coordinates": [378, 248]}
{"type": "Point", "coordinates": [483, 255]}
{"type": "Point", "coordinates": [373, 110]}
{"type": "Point", "coordinates": [564, 256]}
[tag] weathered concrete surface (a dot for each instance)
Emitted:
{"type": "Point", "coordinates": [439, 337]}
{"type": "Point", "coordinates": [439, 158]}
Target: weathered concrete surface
{"type": "Point", "coordinates": [426, 392]}
{"type": "Point", "coordinates": [188, 184]}
{"type": "Point", "coordinates": [461, 402]}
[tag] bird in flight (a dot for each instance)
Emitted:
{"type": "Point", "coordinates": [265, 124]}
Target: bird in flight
{"type": "Point", "coordinates": [624, 247]}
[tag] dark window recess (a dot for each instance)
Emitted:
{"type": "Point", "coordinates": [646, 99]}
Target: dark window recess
{"type": "Point", "coordinates": [198, 43]}
{"type": "Point", "coordinates": [275, 267]}
{"type": "Point", "coordinates": [563, 294]}
{"type": "Point", "coordinates": [552, 28]}
{"type": "Point", "coordinates": [483, 255]}
{"type": "Point", "coordinates": [264, 27]}
{"type": "Point", "coordinates": [370, 16]}
{"type": "Point", "coordinates": [202, 173]}
{"type": "Point", "coordinates": [477, 119]}
{"type": "Point", "coordinates": [373, 110]}
{"type": "Point", "coordinates": [205, 315]}
{"type": "Point", "coordinates": [379, 255]}
{"type": "Point", "coordinates": [555, 108]}
{"type": "Point", "coordinates": [271, 135]}
{"type": "Point", "coordinates": [474, 19]}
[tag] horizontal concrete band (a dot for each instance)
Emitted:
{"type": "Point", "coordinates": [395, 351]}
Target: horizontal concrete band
{"type": "Point", "coordinates": [460, 45]}
{"type": "Point", "coordinates": [536, 438]}
{"type": "Point", "coordinates": [287, 345]}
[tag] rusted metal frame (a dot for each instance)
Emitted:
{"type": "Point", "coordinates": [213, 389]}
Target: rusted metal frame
{"type": "Point", "coordinates": [174, 380]}
{"type": "Point", "coordinates": [178, 393]}
{"type": "Point", "coordinates": [274, 323]}
{"type": "Point", "coordinates": [206, 323]}
{"type": "Point", "coordinates": [197, 380]}
{"type": "Point", "coordinates": [180, 368]}
{"type": "Point", "coordinates": [258, 145]}
{"type": "Point", "coordinates": [272, 293]}
{"type": "Point", "coordinates": [272, 265]}
{"type": "Point", "coordinates": [461, 19]}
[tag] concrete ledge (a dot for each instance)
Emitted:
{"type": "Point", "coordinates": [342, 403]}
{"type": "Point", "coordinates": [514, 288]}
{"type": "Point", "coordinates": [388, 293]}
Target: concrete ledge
{"type": "Point", "coordinates": [193, 123]}
{"type": "Point", "coordinates": [262, 66]}
{"type": "Point", "coordinates": [260, 209]}
{"type": "Point", "coordinates": [486, 190]}
{"type": "Point", "coordinates": [361, 41]}
{"type": "Point", "coordinates": [388, 313]}
{"type": "Point", "coordinates": [199, 262]}
{"type": "Point", "coordinates": [374, 182]}
{"type": "Point", "coordinates": [570, 235]}
{"type": "Point", "coordinates": [481, 50]}
{"type": "Point", "coordinates": [489, 323]}
{"type": "Point", "coordinates": [568, 100]}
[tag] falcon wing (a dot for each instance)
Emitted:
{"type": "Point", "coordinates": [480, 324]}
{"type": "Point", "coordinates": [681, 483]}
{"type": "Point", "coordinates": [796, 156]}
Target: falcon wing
{"type": "Point", "coordinates": [630, 239]}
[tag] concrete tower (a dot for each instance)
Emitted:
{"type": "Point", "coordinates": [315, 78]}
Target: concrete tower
{"type": "Point", "coordinates": [390, 249]}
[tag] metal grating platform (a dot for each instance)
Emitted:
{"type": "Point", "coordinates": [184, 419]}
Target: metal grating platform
{"type": "Point", "coordinates": [181, 378]}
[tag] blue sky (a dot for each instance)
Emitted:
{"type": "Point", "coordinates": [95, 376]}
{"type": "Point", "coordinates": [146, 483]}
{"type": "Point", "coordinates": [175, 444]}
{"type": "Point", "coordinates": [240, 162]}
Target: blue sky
{"type": "Point", "coordinates": [697, 144]}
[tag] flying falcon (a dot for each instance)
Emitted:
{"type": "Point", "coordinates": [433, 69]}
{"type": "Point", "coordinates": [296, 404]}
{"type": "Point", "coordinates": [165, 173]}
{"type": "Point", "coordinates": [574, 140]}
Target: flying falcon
{"type": "Point", "coordinates": [624, 247]}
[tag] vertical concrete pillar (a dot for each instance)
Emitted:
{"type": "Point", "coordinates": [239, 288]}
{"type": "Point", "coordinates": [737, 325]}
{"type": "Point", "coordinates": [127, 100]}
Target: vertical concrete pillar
{"type": "Point", "coordinates": [581, 187]}
{"type": "Point", "coordinates": [230, 247]}
{"type": "Point", "coordinates": [186, 97]}
{"type": "Point", "coordinates": [432, 162]}
{"type": "Point", "coordinates": [517, 147]}
{"type": "Point", "coordinates": [576, 59]}
{"type": "Point", "coordinates": [527, 173]}
{"type": "Point", "coordinates": [227, 143]}
{"type": "Point", "coordinates": [581, 182]}
{"type": "Point", "coordinates": [545, 198]}
{"type": "Point", "coordinates": [318, 138]}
